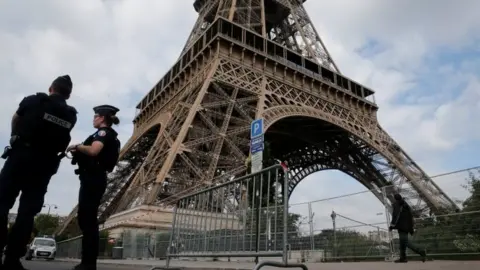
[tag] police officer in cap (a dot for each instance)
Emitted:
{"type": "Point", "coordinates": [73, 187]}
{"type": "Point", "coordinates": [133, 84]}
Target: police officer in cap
{"type": "Point", "coordinates": [40, 135]}
{"type": "Point", "coordinates": [96, 157]}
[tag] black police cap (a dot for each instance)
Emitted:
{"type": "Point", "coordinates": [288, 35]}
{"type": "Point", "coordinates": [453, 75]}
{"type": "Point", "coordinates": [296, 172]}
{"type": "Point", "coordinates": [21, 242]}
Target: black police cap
{"type": "Point", "coordinates": [106, 110]}
{"type": "Point", "coordinates": [64, 81]}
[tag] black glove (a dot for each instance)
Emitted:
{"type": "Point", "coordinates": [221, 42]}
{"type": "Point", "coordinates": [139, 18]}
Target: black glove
{"type": "Point", "coordinates": [390, 228]}
{"type": "Point", "coordinates": [13, 139]}
{"type": "Point", "coordinates": [6, 152]}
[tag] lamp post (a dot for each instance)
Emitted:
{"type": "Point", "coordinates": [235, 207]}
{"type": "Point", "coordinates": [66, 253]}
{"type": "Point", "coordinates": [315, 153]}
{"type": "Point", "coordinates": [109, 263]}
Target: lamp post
{"type": "Point", "coordinates": [50, 206]}
{"type": "Point", "coordinates": [333, 216]}
{"type": "Point", "coordinates": [310, 221]}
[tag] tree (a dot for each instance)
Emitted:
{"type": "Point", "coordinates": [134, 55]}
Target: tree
{"type": "Point", "coordinates": [61, 237]}
{"type": "Point", "coordinates": [472, 203]}
{"type": "Point", "coordinates": [45, 224]}
{"type": "Point", "coordinates": [106, 244]}
{"type": "Point", "coordinates": [468, 233]}
{"type": "Point", "coordinates": [454, 233]}
{"type": "Point", "coordinates": [348, 243]}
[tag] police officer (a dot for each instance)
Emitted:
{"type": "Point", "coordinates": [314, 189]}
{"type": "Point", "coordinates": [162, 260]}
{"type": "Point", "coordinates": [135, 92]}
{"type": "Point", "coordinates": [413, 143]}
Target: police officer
{"type": "Point", "coordinates": [41, 130]}
{"type": "Point", "coordinates": [97, 156]}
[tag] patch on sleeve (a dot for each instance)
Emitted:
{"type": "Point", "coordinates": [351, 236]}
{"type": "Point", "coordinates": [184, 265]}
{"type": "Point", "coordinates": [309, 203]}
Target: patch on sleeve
{"type": "Point", "coordinates": [102, 133]}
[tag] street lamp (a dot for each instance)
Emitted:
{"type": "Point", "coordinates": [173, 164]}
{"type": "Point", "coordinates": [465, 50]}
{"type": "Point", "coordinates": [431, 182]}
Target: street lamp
{"type": "Point", "coordinates": [50, 206]}
{"type": "Point", "coordinates": [334, 216]}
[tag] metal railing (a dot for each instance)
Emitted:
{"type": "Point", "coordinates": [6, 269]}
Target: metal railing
{"type": "Point", "coordinates": [73, 248]}
{"type": "Point", "coordinates": [246, 217]}
{"type": "Point", "coordinates": [358, 231]}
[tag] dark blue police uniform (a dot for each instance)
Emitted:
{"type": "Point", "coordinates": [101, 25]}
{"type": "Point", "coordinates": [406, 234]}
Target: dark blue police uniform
{"type": "Point", "coordinates": [93, 182]}
{"type": "Point", "coordinates": [40, 136]}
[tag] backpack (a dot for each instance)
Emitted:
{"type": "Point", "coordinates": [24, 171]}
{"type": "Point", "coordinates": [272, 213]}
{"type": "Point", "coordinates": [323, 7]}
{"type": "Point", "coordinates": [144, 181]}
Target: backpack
{"type": "Point", "coordinates": [113, 155]}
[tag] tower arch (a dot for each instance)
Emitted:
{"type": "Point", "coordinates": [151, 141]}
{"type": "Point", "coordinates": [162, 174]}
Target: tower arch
{"type": "Point", "coordinates": [310, 141]}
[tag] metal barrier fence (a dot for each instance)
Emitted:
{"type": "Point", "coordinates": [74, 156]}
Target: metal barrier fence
{"type": "Point", "coordinates": [449, 236]}
{"type": "Point", "coordinates": [73, 248]}
{"type": "Point", "coordinates": [145, 244]}
{"type": "Point", "coordinates": [354, 227]}
{"type": "Point", "coordinates": [342, 228]}
{"type": "Point", "coordinates": [246, 217]}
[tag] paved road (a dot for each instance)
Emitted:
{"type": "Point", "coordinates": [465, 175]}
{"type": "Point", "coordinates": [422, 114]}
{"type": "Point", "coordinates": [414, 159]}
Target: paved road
{"type": "Point", "coordinates": [435, 265]}
{"type": "Point", "coordinates": [55, 265]}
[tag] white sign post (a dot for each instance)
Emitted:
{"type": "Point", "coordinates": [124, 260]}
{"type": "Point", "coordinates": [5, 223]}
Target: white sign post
{"type": "Point", "coordinates": [256, 144]}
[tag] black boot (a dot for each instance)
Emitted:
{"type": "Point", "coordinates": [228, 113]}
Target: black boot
{"type": "Point", "coordinates": [424, 255]}
{"type": "Point", "coordinates": [403, 259]}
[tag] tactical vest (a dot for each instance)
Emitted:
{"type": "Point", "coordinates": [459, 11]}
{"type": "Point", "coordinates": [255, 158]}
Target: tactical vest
{"type": "Point", "coordinates": [47, 126]}
{"type": "Point", "coordinates": [106, 160]}
{"type": "Point", "coordinates": [84, 162]}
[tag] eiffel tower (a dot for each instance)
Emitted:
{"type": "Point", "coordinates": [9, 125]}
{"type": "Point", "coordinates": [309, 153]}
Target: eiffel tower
{"type": "Point", "coordinates": [250, 59]}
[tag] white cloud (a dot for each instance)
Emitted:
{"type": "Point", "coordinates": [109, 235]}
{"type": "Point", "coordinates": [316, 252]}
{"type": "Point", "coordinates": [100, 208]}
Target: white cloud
{"type": "Point", "coordinates": [115, 51]}
{"type": "Point", "coordinates": [408, 39]}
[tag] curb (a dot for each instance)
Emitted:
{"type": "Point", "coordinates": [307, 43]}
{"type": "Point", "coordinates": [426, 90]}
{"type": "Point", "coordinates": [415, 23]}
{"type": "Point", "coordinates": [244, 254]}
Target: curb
{"type": "Point", "coordinates": [106, 263]}
{"type": "Point", "coordinates": [155, 266]}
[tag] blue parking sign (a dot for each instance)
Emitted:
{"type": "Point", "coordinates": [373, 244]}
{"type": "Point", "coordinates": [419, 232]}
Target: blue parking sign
{"type": "Point", "coordinates": [256, 128]}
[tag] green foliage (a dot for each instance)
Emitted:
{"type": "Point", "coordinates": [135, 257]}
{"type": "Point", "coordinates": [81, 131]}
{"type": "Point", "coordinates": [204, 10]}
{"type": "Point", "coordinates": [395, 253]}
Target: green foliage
{"type": "Point", "coordinates": [61, 237]}
{"type": "Point", "coordinates": [105, 247]}
{"type": "Point", "coordinates": [104, 234]}
{"type": "Point", "coordinates": [45, 224]}
{"type": "Point", "coordinates": [293, 222]}
{"type": "Point", "coordinates": [276, 221]}
{"type": "Point", "coordinates": [473, 186]}
{"type": "Point", "coordinates": [346, 243]}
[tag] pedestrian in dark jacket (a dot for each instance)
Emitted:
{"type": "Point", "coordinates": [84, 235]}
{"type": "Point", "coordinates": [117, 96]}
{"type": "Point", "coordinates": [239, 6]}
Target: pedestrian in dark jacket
{"type": "Point", "coordinates": [402, 221]}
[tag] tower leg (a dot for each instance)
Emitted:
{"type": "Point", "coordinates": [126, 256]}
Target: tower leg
{"type": "Point", "coordinates": [174, 149]}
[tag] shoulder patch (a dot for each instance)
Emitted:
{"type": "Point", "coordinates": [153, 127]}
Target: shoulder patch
{"type": "Point", "coordinates": [102, 133]}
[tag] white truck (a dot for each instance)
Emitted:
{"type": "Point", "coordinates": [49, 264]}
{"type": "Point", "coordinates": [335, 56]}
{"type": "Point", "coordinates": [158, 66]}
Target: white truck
{"type": "Point", "coordinates": [42, 248]}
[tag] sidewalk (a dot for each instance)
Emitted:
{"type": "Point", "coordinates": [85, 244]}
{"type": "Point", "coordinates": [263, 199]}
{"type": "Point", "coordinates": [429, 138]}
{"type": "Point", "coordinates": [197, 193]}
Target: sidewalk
{"type": "Point", "coordinates": [202, 265]}
{"type": "Point", "coordinates": [198, 265]}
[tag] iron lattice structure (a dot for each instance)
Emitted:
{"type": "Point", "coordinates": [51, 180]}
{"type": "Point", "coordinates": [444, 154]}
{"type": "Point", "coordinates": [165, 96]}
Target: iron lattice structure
{"type": "Point", "coordinates": [247, 59]}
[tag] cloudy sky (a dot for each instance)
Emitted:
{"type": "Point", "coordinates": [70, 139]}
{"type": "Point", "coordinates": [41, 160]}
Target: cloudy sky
{"type": "Point", "coordinates": [422, 59]}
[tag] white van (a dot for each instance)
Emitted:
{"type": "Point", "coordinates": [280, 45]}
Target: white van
{"type": "Point", "coordinates": [42, 248]}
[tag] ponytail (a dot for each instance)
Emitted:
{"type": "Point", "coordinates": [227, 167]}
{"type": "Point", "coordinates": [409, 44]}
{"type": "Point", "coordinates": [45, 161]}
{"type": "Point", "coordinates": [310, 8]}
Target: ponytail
{"type": "Point", "coordinates": [111, 120]}
{"type": "Point", "coordinates": [115, 120]}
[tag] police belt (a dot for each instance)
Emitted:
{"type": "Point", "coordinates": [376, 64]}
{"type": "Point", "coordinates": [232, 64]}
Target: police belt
{"type": "Point", "coordinates": [16, 141]}
{"type": "Point", "coordinates": [86, 165]}
{"type": "Point", "coordinates": [90, 171]}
